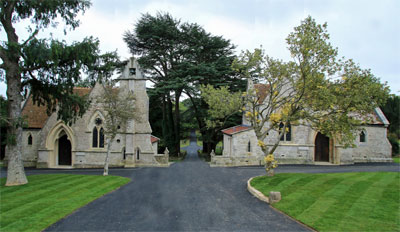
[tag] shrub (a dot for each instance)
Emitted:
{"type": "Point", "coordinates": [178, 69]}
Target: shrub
{"type": "Point", "coordinates": [218, 150]}
{"type": "Point", "coordinates": [204, 156]}
{"type": "Point", "coordinates": [183, 153]}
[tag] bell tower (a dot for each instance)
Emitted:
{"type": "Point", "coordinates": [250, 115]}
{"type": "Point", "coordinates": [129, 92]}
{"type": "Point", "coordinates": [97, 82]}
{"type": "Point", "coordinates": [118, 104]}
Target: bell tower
{"type": "Point", "coordinates": [139, 150]}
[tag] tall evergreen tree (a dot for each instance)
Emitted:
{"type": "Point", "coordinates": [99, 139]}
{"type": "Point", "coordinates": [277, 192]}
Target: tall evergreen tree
{"type": "Point", "coordinates": [179, 58]}
{"type": "Point", "coordinates": [392, 111]}
{"type": "Point", "coordinates": [156, 40]}
{"type": "Point", "coordinates": [49, 68]}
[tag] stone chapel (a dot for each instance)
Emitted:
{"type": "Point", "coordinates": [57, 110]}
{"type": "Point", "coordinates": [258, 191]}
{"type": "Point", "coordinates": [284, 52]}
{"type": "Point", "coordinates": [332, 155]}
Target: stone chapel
{"type": "Point", "coordinates": [50, 143]}
{"type": "Point", "coordinates": [303, 145]}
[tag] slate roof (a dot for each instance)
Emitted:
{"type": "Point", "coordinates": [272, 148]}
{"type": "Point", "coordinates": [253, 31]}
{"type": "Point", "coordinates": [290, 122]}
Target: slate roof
{"type": "Point", "coordinates": [380, 118]}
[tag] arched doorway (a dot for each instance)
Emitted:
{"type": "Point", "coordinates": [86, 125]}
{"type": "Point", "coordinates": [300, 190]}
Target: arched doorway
{"type": "Point", "coordinates": [64, 151]}
{"type": "Point", "coordinates": [321, 148]}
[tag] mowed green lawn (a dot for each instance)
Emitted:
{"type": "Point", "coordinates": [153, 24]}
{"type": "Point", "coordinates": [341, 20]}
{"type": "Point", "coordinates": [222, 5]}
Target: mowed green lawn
{"type": "Point", "coordinates": [48, 198]}
{"type": "Point", "coordinates": [338, 201]}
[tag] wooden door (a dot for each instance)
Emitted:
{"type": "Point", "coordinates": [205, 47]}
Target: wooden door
{"type": "Point", "coordinates": [321, 148]}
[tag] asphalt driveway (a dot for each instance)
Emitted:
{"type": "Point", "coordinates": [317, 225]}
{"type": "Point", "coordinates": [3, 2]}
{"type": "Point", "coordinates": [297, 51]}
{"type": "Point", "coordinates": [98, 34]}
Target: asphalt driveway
{"type": "Point", "coordinates": [188, 196]}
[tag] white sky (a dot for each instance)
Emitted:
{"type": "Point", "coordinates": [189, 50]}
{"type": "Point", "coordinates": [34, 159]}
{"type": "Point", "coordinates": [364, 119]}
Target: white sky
{"type": "Point", "coordinates": [365, 30]}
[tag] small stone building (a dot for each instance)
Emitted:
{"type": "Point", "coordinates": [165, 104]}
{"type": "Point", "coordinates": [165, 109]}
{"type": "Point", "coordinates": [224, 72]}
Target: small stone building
{"type": "Point", "coordinates": [303, 145]}
{"type": "Point", "coordinates": [50, 143]}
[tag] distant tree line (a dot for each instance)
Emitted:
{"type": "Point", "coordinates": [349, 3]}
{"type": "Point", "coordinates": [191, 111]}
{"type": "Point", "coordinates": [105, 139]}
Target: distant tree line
{"type": "Point", "coordinates": [392, 112]}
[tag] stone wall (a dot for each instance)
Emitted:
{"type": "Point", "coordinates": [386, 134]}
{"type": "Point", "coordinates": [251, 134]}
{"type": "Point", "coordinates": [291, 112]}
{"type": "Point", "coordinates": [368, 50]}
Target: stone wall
{"type": "Point", "coordinates": [376, 148]}
{"type": "Point", "coordinates": [300, 150]}
{"type": "Point", "coordinates": [30, 151]}
{"type": "Point", "coordinates": [97, 159]}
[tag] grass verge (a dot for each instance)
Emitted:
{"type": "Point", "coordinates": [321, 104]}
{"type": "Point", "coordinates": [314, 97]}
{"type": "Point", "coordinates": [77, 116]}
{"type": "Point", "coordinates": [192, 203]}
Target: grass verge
{"type": "Point", "coordinates": [185, 142]}
{"type": "Point", "coordinates": [179, 158]}
{"type": "Point", "coordinates": [48, 198]}
{"type": "Point", "coordinates": [338, 201]}
{"type": "Point", "coordinates": [203, 156]}
{"type": "Point", "coordinates": [396, 159]}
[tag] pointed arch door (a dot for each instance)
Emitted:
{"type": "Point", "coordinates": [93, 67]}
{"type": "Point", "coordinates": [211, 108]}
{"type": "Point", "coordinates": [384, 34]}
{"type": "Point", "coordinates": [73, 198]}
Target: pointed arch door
{"type": "Point", "coordinates": [64, 151]}
{"type": "Point", "coordinates": [321, 148]}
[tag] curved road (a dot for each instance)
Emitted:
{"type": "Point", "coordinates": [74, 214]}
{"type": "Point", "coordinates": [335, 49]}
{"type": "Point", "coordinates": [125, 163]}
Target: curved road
{"type": "Point", "coordinates": [187, 196]}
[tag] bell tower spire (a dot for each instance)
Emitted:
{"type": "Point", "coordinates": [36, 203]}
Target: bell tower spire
{"type": "Point", "coordinates": [139, 149]}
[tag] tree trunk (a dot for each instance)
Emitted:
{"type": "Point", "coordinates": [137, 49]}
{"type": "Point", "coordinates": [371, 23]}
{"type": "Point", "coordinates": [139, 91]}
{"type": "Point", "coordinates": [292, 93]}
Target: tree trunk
{"type": "Point", "coordinates": [171, 127]}
{"type": "Point", "coordinates": [15, 169]}
{"type": "Point", "coordinates": [105, 173]}
{"type": "Point", "coordinates": [271, 172]}
{"type": "Point", "coordinates": [200, 122]}
{"type": "Point", "coordinates": [166, 124]}
{"type": "Point", "coordinates": [206, 143]}
{"type": "Point", "coordinates": [164, 121]}
{"type": "Point", "coordinates": [209, 146]}
{"type": "Point", "coordinates": [177, 122]}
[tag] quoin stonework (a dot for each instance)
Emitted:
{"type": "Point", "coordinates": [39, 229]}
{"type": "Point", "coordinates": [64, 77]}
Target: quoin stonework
{"type": "Point", "coordinates": [50, 143]}
{"type": "Point", "coordinates": [303, 145]}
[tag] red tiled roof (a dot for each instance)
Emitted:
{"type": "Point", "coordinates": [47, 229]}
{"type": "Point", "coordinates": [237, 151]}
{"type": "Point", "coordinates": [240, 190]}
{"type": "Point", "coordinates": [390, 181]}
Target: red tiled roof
{"type": "Point", "coordinates": [235, 129]}
{"type": "Point", "coordinates": [36, 116]}
{"type": "Point", "coordinates": [153, 139]}
{"type": "Point", "coordinates": [81, 91]}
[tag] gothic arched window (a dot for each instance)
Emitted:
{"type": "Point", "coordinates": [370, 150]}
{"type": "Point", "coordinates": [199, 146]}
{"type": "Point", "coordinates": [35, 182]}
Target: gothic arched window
{"type": "Point", "coordinates": [280, 129]}
{"type": "Point", "coordinates": [101, 136]}
{"type": "Point", "coordinates": [362, 137]}
{"type": "Point", "coordinates": [30, 139]}
{"type": "Point", "coordinates": [95, 137]}
{"type": "Point", "coordinates": [98, 134]}
{"type": "Point", "coordinates": [288, 132]}
{"type": "Point", "coordinates": [287, 135]}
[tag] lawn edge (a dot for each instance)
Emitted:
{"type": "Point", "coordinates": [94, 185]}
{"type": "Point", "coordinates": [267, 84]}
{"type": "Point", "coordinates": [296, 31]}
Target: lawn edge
{"type": "Point", "coordinates": [255, 192]}
{"type": "Point", "coordinates": [130, 180]}
{"type": "Point", "coordinates": [264, 198]}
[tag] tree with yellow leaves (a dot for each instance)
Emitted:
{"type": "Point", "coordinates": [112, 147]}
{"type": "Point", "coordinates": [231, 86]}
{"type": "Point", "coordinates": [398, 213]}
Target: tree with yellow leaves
{"type": "Point", "coordinates": [331, 95]}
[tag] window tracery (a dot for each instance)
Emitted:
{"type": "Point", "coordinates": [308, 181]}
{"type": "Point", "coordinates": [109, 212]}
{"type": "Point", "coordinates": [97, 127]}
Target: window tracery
{"type": "Point", "coordinates": [287, 135]}
{"type": "Point", "coordinates": [98, 134]}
